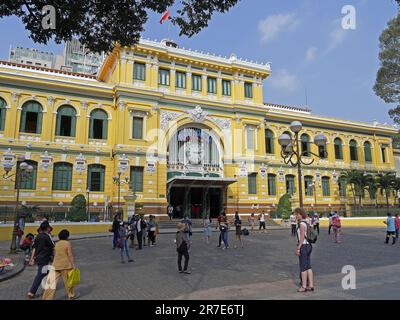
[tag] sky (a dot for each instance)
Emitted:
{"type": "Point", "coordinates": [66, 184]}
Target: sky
{"type": "Point", "coordinates": [315, 61]}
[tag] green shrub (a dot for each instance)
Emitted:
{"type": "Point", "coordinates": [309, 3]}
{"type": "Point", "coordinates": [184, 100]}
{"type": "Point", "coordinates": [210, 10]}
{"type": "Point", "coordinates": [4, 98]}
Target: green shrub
{"type": "Point", "coordinates": [77, 211]}
{"type": "Point", "coordinates": [284, 206]}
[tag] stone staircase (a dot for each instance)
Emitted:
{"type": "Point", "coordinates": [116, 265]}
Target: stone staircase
{"type": "Point", "coordinates": [198, 223]}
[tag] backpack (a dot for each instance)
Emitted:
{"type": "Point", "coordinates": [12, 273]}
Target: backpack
{"type": "Point", "coordinates": [245, 232]}
{"type": "Point", "coordinates": [311, 234]}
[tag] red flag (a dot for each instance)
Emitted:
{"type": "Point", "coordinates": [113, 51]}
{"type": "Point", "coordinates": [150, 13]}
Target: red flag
{"type": "Point", "coordinates": [165, 16]}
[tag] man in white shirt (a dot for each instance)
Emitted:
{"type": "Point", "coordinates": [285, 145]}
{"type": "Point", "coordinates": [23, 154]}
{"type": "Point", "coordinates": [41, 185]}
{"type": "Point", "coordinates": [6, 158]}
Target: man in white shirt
{"type": "Point", "coordinates": [262, 221]}
{"type": "Point", "coordinates": [170, 212]}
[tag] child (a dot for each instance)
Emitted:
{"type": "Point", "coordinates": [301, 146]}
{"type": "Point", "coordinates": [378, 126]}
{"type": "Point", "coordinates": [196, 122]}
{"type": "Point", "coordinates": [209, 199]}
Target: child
{"type": "Point", "coordinates": [26, 245]}
{"type": "Point", "coordinates": [123, 235]}
{"type": "Point", "coordinates": [390, 230]}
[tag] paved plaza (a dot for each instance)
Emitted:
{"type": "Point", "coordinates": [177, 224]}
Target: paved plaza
{"type": "Point", "coordinates": [266, 268]}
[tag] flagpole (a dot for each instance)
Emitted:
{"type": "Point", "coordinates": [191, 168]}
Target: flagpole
{"type": "Point", "coordinates": [169, 28]}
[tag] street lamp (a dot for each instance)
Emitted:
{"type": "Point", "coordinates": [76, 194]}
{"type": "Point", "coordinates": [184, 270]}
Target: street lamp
{"type": "Point", "coordinates": [88, 206]}
{"type": "Point", "coordinates": [118, 181]}
{"type": "Point", "coordinates": [23, 173]}
{"type": "Point", "coordinates": [292, 154]}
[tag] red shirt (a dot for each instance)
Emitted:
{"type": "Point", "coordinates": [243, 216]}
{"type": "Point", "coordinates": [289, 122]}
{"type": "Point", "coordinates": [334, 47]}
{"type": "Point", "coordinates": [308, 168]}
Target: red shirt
{"type": "Point", "coordinates": [397, 222]}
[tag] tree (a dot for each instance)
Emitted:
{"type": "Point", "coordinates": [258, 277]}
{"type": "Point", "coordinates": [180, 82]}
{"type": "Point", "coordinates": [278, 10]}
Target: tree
{"type": "Point", "coordinates": [29, 212]}
{"type": "Point", "coordinates": [372, 187]}
{"type": "Point", "coordinates": [284, 206]}
{"type": "Point", "coordinates": [396, 189]}
{"type": "Point", "coordinates": [77, 211]}
{"type": "Point", "coordinates": [100, 24]}
{"type": "Point", "coordinates": [352, 178]}
{"type": "Point", "coordinates": [387, 85]}
{"type": "Point", "coordinates": [385, 183]}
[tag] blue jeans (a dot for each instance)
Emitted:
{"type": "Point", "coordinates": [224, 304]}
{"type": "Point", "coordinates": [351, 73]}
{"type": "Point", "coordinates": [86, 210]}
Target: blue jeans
{"type": "Point", "coordinates": [125, 249]}
{"type": "Point", "coordinates": [38, 279]}
{"type": "Point", "coordinates": [225, 238]}
{"type": "Point", "coordinates": [115, 239]}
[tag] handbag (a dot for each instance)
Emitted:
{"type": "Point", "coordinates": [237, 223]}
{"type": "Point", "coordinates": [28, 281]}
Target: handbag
{"type": "Point", "coordinates": [74, 277]}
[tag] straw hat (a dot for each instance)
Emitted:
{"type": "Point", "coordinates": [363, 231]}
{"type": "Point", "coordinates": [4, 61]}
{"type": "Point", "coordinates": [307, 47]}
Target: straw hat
{"type": "Point", "coordinates": [180, 226]}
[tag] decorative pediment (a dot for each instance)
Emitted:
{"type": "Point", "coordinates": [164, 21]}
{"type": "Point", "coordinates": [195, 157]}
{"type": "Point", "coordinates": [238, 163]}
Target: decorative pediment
{"type": "Point", "coordinates": [198, 114]}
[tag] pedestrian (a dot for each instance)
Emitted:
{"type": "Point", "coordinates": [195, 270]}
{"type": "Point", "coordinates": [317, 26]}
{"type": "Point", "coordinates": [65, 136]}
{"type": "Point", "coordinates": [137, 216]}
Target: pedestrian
{"type": "Point", "coordinates": [152, 231]}
{"type": "Point", "coordinates": [115, 229]}
{"type": "Point", "coordinates": [337, 227]}
{"type": "Point", "coordinates": [330, 222]}
{"type": "Point", "coordinates": [252, 222]}
{"type": "Point", "coordinates": [397, 225]}
{"type": "Point", "coordinates": [132, 230]}
{"type": "Point", "coordinates": [182, 247]}
{"type": "Point", "coordinates": [145, 227]}
{"type": "Point", "coordinates": [20, 229]}
{"type": "Point", "coordinates": [303, 251]}
{"type": "Point", "coordinates": [123, 236]}
{"type": "Point", "coordinates": [293, 223]}
{"type": "Point", "coordinates": [261, 219]}
{"type": "Point", "coordinates": [390, 228]}
{"type": "Point", "coordinates": [140, 226]}
{"type": "Point", "coordinates": [170, 212]}
{"type": "Point", "coordinates": [207, 224]}
{"type": "Point", "coordinates": [26, 245]}
{"type": "Point", "coordinates": [315, 222]}
{"type": "Point", "coordinates": [218, 227]}
{"type": "Point", "coordinates": [238, 229]}
{"type": "Point", "coordinates": [63, 263]}
{"type": "Point", "coordinates": [188, 228]}
{"type": "Point", "coordinates": [42, 255]}
{"type": "Point", "coordinates": [224, 228]}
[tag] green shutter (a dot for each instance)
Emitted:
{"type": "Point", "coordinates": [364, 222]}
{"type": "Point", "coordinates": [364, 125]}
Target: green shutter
{"type": "Point", "coordinates": [180, 80]}
{"type": "Point", "coordinates": [252, 183]}
{"type": "Point", "coordinates": [136, 179]}
{"type": "Point", "coordinates": [367, 152]}
{"type": "Point", "coordinates": [137, 128]}
{"type": "Point", "coordinates": [226, 87]}
{"type": "Point", "coordinates": [211, 85]}
{"type": "Point", "coordinates": [325, 187]}
{"type": "Point", "coordinates": [96, 168]}
{"type": "Point", "coordinates": [196, 82]}
{"type": "Point", "coordinates": [139, 72]}
{"type": "Point", "coordinates": [62, 176]}
{"type": "Point", "coordinates": [248, 90]}
{"type": "Point", "coordinates": [271, 185]}
{"type": "Point", "coordinates": [3, 111]}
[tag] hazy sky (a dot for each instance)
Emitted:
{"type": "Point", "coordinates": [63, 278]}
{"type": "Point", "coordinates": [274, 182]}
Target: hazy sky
{"type": "Point", "coordinates": [309, 50]}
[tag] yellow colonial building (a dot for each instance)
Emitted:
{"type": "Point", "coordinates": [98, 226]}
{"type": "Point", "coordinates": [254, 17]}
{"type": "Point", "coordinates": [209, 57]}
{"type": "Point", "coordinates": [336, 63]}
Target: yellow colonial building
{"type": "Point", "coordinates": [181, 127]}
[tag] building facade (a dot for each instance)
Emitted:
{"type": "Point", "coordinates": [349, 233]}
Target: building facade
{"type": "Point", "coordinates": [181, 127]}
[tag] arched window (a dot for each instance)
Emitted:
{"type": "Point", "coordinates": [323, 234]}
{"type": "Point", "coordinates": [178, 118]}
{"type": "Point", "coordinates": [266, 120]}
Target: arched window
{"type": "Point", "coordinates": [95, 178]}
{"type": "Point", "coordinates": [98, 124]}
{"type": "Point", "coordinates": [269, 141]}
{"type": "Point", "coordinates": [367, 151]}
{"type": "Point", "coordinates": [342, 187]}
{"type": "Point", "coordinates": [326, 190]}
{"type": "Point", "coordinates": [338, 149]}
{"type": "Point", "coordinates": [66, 121]}
{"type": "Point", "coordinates": [28, 181]}
{"type": "Point", "coordinates": [290, 186]}
{"type": "Point", "coordinates": [31, 117]}
{"type": "Point", "coordinates": [353, 150]}
{"type": "Point", "coordinates": [62, 176]}
{"type": "Point", "coordinates": [305, 145]}
{"type": "Point", "coordinates": [271, 184]}
{"type": "Point", "coordinates": [3, 110]}
{"type": "Point", "coordinates": [308, 185]}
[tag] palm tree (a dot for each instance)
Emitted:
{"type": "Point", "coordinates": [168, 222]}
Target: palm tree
{"type": "Point", "coordinates": [29, 212]}
{"type": "Point", "coordinates": [357, 182]}
{"type": "Point", "coordinates": [385, 183]}
{"type": "Point", "coordinates": [372, 187]}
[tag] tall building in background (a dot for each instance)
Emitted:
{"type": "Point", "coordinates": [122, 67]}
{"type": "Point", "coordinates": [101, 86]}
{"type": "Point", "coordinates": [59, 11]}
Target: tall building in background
{"type": "Point", "coordinates": [33, 57]}
{"type": "Point", "coordinates": [76, 58]}
{"type": "Point", "coordinates": [80, 59]}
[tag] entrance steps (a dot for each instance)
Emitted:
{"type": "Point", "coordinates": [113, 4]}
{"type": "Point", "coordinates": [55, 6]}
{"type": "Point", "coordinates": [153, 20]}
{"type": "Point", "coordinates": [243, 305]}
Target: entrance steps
{"type": "Point", "coordinates": [198, 223]}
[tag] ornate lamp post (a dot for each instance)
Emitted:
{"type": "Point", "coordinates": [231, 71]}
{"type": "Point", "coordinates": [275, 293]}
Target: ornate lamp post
{"type": "Point", "coordinates": [292, 154]}
{"type": "Point", "coordinates": [118, 181]}
{"type": "Point", "coordinates": [23, 172]}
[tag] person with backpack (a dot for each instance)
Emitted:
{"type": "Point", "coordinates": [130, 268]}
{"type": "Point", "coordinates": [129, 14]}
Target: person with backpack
{"type": "Point", "coordinates": [238, 228]}
{"type": "Point", "coordinates": [182, 247]}
{"type": "Point", "coordinates": [42, 255]}
{"type": "Point", "coordinates": [123, 236]}
{"type": "Point", "coordinates": [390, 228]}
{"type": "Point", "coordinates": [305, 235]}
{"type": "Point", "coordinates": [337, 228]}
